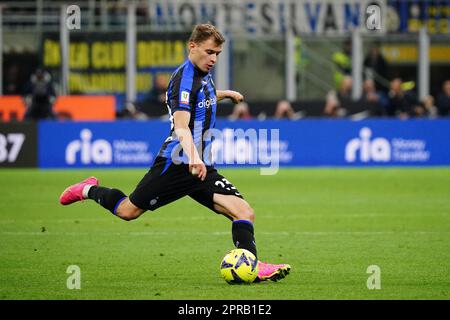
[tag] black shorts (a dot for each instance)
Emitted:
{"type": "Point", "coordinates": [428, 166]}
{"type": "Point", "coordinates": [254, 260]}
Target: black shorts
{"type": "Point", "coordinates": [162, 185]}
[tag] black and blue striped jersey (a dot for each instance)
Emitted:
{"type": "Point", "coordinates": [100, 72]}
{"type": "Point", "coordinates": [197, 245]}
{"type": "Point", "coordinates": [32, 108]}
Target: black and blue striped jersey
{"type": "Point", "coordinates": [192, 90]}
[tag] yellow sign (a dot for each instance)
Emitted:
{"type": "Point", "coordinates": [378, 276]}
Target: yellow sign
{"type": "Point", "coordinates": [112, 54]}
{"type": "Point", "coordinates": [98, 66]}
{"type": "Point", "coordinates": [404, 53]}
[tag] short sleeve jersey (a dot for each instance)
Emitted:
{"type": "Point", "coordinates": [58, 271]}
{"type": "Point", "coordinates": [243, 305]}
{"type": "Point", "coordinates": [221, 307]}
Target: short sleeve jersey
{"type": "Point", "coordinates": [191, 90]}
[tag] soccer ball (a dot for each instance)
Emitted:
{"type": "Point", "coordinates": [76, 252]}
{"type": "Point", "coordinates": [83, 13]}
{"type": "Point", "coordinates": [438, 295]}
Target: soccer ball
{"type": "Point", "coordinates": [239, 266]}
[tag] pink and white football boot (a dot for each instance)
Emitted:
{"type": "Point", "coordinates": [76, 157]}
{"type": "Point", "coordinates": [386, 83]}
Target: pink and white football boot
{"type": "Point", "coordinates": [274, 272]}
{"type": "Point", "coordinates": [77, 192]}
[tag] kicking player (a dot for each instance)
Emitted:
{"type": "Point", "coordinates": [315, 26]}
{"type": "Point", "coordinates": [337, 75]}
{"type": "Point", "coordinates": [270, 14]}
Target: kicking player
{"type": "Point", "coordinates": [183, 166]}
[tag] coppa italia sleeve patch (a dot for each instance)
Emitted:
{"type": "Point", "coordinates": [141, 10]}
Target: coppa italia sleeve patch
{"type": "Point", "coordinates": [184, 97]}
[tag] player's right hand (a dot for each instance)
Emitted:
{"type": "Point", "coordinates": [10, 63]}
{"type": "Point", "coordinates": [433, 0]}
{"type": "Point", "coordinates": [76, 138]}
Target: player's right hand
{"type": "Point", "coordinates": [198, 169]}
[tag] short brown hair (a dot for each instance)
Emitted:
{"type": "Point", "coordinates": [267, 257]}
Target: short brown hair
{"type": "Point", "coordinates": [204, 31]}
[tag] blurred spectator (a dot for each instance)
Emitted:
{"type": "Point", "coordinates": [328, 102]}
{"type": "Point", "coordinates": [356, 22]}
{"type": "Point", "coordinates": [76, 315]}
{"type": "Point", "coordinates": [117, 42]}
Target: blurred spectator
{"type": "Point", "coordinates": [443, 99]}
{"type": "Point", "coordinates": [336, 102]}
{"type": "Point", "coordinates": [398, 104]}
{"type": "Point", "coordinates": [156, 98]}
{"type": "Point", "coordinates": [18, 66]}
{"type": "Point", "coordinates": [40, 96]}
{"type": "Point", "coordinates": [430, 107]}
{"type": "Point", "coordinates": [152, 104]}
{"type": "Point", "coordinates": [332, 105]}
{"type": "Point", "coordinates": [130, 111]}
{"type": "Point", "coordinates": [345, 91]}
{"type": "Point", "coordinates": [425, 108]}
{"type": "Point", "coordinates": [117, 13]}
{"type": "Point", "coordinates": [376, 100]}
{"type": "Point", "coordinates": [11, 80]}
{"type": "Point", "coordinates": [342, 63]}
{"type": "Point", "coordinates": [240, 111]}
{"type": "Point", "coordinates": [284, 110]}
{"type": "Point", "coordinates": [376, 67]}
{"type": "Point", "coordinates": [142, 13]}
{"type": "Point", "coordinates": [413, 100]}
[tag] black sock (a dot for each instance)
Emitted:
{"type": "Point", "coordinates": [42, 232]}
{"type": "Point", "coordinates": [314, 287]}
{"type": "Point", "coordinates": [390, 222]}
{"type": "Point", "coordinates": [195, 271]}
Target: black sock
{"type": "Point", "coordinates": [243, 236]}
{"type": "Point", "coordinates": [107, 198]}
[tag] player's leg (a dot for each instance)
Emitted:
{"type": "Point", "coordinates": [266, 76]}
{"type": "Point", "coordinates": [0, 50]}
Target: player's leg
{"type": "Point", "coordinates": [113, 200]}
{"type": "Point", "coordinates": [218, 194]}
{"type": "Point", "coordinates": [233, 207]}
{"type": "Point", "coordinates": [161, 185]}
{"type": "Point", "coordinates": [243, 216]}
{"type": "Point", "coordinates": [128, 211]}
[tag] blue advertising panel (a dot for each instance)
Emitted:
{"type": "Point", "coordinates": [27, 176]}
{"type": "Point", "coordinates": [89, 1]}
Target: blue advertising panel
{"type": "Point", "coordinates": [100, 144]}
{"type": "Point", "coordinates": [356, 143]}
{"type": "Point", "coordinates": [269, 144]}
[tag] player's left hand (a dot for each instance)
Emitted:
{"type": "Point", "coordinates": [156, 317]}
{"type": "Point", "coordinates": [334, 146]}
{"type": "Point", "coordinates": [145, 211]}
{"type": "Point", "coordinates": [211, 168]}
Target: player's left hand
{"type": "Point", "coordinates": [235, 96]}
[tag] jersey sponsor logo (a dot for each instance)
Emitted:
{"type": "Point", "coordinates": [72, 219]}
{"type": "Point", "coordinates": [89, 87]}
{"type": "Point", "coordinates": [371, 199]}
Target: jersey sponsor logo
{"type": "Point", "coordinates": [185, 97]}
{"type": "Point", "coordinates": [206, 103]}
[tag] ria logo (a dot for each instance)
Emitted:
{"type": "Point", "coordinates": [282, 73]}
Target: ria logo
{"type": "Point", "coordinates": [377, 150]}
{"type": "Point", "coordinates": [97, 151]}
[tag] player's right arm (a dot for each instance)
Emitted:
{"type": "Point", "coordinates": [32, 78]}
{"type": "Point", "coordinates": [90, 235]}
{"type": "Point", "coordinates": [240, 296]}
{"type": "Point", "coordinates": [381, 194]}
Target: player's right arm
{"type": "Point", "coordinates": [182, 102]}
{"type": "Point", "coordinates": [181, 126]}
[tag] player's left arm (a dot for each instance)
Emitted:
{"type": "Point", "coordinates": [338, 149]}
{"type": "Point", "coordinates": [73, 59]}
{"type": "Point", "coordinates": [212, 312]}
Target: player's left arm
{"type": "Point", "coordinates": [235, 96]}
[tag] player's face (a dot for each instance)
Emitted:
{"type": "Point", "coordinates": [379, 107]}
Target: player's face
{"type": "Point", "coordinates": [204, 55]}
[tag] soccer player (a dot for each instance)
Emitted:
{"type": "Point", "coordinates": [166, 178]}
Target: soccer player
{"type": "Point", "coordinates": [183, 165]}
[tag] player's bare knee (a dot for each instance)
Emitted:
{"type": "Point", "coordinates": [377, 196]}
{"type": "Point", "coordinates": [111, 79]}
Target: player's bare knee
{"type": "Point", "coordinates": [129, 214]}
{"type": "Point", "coordinates": [246, 213]}
{"type": "Point", "coordinates": [250, 214]}
{"type": "Point", "coordinates": [126, 216]}
{"type": "Point", "coordinates": [128, 211]}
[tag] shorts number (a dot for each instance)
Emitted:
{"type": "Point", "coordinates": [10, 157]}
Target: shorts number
{"type": "Point", "coordinates": [225, 184]}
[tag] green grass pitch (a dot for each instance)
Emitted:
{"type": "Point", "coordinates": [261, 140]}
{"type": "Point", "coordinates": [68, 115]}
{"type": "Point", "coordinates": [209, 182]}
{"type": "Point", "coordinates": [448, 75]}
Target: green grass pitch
{"type": "Point", "coordinates": [329, 224]}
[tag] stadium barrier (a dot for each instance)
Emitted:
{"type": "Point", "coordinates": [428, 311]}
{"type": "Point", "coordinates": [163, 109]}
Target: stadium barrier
{"type": "Point", "coordinates": [11, 108]}
{"type": "Point", "coordinates": [18, 145]}
{"type": "Point", "coordinates": [86, 108]}
{"type": "Point", "coordinates": [77, 108]}
{"type": "Point", "coordinates": [252, 143]}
